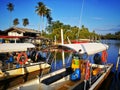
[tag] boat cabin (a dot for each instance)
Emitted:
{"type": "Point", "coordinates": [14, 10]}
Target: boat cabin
{"type": "Point", "coordinates": [19, 59]}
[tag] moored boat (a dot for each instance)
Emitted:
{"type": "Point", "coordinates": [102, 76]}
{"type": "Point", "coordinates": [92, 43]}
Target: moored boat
{"type": "Point", "coordinates": [15, 61]}
{"type": "Point", "coordinates": [81, 74]}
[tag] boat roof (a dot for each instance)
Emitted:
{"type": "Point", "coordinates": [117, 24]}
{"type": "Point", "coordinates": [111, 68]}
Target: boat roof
{"type": "Point", "coordinates": [89, 48]}
{"type": "Point", "coordinates": [15, 47]}
{"type": "Point", "coordinates": [9, 37]}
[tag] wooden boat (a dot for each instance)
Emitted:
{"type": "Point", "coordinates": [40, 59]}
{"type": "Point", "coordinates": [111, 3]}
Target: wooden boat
{"type": "Point", "coordinates": [82, 74]}
{"type": "Point", "coordinates": [21, 64]}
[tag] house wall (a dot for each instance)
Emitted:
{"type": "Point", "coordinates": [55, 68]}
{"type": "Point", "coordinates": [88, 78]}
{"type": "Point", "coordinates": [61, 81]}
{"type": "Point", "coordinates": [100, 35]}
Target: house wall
{"type": "Point", "coordinates": [14, 34]}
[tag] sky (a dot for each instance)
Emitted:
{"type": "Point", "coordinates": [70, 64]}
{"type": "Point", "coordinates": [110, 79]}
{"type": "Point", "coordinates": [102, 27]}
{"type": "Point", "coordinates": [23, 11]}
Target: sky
{"type": "Point", "coordinates": [102, 16]}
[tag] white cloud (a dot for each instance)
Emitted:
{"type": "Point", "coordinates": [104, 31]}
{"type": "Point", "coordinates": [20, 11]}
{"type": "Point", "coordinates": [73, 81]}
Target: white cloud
{"type": "Point", "coordinates": [97, 18]}
{"type": "Point", "coordinates": [109, 28]}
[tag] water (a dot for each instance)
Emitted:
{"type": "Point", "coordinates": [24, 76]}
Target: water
{"type": "Point", "coordinates": [113, 50]}
{"type": "Point", "coordinates": [112, 58]}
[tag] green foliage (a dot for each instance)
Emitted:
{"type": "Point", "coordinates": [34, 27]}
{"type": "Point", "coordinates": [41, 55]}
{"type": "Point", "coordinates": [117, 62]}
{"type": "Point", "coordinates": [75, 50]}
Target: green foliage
{"type": "Point", "coordinates": [25, 22]}
{"type": "Point", "coordinates": [10, 7]}
{"type": "Point", "coordinates": [15, 22]}
{"type": "Point", "coordinates": [112, 36]}
{"type": "Point", "coordinates": [54, 29]}
{"type": "Point", "coordinates": [43, 11]}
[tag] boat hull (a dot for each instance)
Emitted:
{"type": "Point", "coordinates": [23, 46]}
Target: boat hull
{"type": "Point", "coordinates": [24, 70]}
{"type": "Point", "coordinates": [65, 83]}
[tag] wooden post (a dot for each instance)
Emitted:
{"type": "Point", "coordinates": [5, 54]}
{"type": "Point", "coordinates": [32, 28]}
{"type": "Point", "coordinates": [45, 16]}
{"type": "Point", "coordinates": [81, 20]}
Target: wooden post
{"type": "Point", "coordinates": [117, 64]}
{"type": "Point", "coordinates": [62, 41]}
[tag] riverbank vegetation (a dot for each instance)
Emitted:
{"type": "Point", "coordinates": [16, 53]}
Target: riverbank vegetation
{"type": "Point", "coordinates": [115, 36]}
{"type": "Point", "coordinates": [71, 32]}
{"type": "Point", "coordinates": [74, 32]}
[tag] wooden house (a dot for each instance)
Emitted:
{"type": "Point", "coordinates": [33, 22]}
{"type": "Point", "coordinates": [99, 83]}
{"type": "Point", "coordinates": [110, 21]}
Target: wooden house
{"type": "Point", "coordinates": [16, 31]}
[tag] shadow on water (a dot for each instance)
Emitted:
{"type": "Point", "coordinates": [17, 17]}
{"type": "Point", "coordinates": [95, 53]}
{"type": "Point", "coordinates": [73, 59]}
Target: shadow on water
{"type": "Point", "coordinates": [116, 82]}
{"type": "Point", "coordinates": [110, 83]}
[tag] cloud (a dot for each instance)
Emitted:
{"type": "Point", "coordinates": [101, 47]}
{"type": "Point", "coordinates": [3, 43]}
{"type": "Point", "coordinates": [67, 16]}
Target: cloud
{"type": "Point", "coordinates": [97, 18]}
{"type": "Point", "coordinates": [108, 28]}
{"type": "Point", "coordinates": [118, 26]}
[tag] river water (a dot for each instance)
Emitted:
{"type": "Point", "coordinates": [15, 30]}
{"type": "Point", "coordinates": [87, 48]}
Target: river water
{"type": "Point", "coordinates": [113, 50]}
{"type": "Point", "coordinates": [114, 46]}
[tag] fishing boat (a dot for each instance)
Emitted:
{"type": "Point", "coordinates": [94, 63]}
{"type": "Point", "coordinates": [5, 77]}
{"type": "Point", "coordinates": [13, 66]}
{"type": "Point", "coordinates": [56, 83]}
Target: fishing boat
{"type": "Point", "coordinates": [14, 60]}
{"type": "Point", "coordinates": [81, 74]}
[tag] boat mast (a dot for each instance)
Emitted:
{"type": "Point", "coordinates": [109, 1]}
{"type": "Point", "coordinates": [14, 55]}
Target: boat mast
{"type": "Point", "coordinates": [80, 21]}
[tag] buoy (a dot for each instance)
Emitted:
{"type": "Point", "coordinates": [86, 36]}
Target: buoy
{"type": "Point", "coordinates": [22, 58]}
{"type": "Point", "coordinates": [104, 56]}
{"type": "Point", "coordinates": [87, 71]}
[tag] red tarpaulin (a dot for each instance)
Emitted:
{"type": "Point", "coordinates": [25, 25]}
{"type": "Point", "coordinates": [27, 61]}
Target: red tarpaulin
{"type": "Point", "coordinates": [13, 37]}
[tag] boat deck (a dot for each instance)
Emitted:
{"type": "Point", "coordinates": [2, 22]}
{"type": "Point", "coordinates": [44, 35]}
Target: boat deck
{"type": "Point", "coordinates": [68, 84]}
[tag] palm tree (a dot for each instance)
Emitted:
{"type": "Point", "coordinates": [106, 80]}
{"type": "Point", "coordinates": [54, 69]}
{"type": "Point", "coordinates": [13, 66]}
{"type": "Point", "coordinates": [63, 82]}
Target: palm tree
{"type": "Point", "coordinates": [10, 8]}
{"type": "Point", "coordinates": [15, 22]}
{"type": "Point", "coordinates": [43, 11]}
{"type": "Point", "coordinates": [25, 22]}
{"type": "Point", "coordinates": [48, 15]}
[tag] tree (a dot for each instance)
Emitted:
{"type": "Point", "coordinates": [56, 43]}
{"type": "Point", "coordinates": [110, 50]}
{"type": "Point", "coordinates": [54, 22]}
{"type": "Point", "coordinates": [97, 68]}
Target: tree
{"type": "Point", "coordinates": [15, 22]}
{"type": "Point", "coordinates": [72, 32]}
{"type": "Point", "coordinates": [48, 18]}
{"type": "Point", "coordinates": [115, 36]}
{"type": "Point", "coordinates": [75, 32]}
{"type": "Point", "coordinates": [25, 22]}
{"type": "Point", "coordinates": [10, 8]}
{"type": "Point", "coordinates": [48, 15]}
{"type": "Point", "coordinates": [43, 11]}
